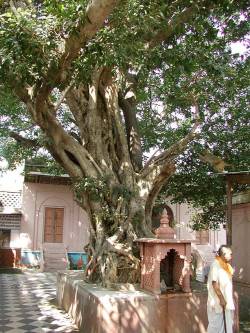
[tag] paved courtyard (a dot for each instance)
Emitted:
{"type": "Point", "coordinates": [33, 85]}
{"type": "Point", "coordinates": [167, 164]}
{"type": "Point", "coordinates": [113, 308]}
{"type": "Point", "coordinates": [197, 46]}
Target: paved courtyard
{"type": "Point", "coordinates": [27, 304]}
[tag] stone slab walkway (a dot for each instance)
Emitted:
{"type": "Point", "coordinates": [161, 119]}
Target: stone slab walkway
{"type": "Point", "coordinates": [27, 304]}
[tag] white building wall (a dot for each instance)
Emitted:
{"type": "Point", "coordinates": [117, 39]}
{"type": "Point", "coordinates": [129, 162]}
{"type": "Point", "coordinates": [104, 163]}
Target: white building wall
{"type": "Point", "coordinates": [182, 215]}
{"type": "Point", "coordinates": [217, 238]}
{"type": "Point", "coordinates": [36, 197]}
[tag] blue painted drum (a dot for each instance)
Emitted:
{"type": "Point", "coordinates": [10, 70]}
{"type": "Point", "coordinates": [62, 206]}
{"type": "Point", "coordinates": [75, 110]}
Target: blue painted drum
{"type": "Point", "coordinates": [77, 260]}
{"type": "Point", "coordinates": [30, 258]}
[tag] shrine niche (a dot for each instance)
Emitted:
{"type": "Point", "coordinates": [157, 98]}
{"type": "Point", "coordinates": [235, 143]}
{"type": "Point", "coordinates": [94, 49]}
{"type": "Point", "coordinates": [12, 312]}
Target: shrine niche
{"type": "Point", "coordinates": [165, 261]}
{"type": "Point", "coordinates": [171, 272]}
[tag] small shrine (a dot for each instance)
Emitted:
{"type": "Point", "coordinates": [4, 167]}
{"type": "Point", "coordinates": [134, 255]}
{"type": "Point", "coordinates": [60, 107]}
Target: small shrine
{"type": "Point", "coordinates": [165, 261]}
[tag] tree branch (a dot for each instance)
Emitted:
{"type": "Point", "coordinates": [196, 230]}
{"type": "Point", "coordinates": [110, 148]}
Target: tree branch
{"type": "Point", "coordinates": [132, 130]}
{"type": "Point", "coordinates": [28, 143]}
{"type": "Point", "coordinates": [178, 20]}
{"type": "Point", "coordinates": [165, 173]}
{"type": "Point", "coordinates": [62, 97]}
{"type": "Point", "coordinates": [176, 149]}
{"type": "Point", "coordinates": [13, 8]}
{"type": "Point", "coordinates": [119, 148]}
{"type": "Point", "coordinates": [96, 13]}
{"type": "Point", "coordinates": [78, 104]}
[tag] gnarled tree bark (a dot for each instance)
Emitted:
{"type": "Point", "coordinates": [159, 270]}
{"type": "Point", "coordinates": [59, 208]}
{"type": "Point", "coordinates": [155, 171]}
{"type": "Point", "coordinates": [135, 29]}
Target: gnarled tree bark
{"type": "Point", "coordinates": [104, 156]}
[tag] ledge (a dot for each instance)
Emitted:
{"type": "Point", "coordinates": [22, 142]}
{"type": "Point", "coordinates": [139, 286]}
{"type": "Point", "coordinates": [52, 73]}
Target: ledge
{"type": "Point", "coordinates": [165, 241]}
{"type": "Point", "coordinates": [96, 309]}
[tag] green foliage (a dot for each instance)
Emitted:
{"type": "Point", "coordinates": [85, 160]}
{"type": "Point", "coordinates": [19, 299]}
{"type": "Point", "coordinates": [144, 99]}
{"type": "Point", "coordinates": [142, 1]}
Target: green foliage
{"type": "Point", "coordinates": [121, 191]}
{"type": "Point", "coordinates": [96, 189]}
{"type": "Point", "coordinates": [138, 218]}
{"type": "Point", "coordinates": [13, 114]}
{"type": "Point", "coordinates": [13, 153]}
{"type": "Point", "coordinates": [209, 218]}
{"type": "Point", "coordinates": [27, 44]}
{"type": "Point", "coordinates": [99, 190]}
{"type": "Point", "coordinates": [44, 164]}
{"type": "Point", "coordinates": [194, 61]}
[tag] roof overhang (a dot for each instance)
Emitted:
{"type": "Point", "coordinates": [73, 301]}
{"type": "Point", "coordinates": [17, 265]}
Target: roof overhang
{"type": "Point", "coordinates": [46, 178]}
{"type": "Point", "coordinates": [240, 177]}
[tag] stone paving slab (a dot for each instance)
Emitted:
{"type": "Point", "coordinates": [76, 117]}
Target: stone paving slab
{"type": "Point", "coordinates": [27, 304]}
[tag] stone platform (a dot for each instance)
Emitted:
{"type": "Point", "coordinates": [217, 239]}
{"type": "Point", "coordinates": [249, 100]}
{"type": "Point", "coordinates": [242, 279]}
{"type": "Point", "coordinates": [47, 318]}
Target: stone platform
{"type": "Point", "coordinates": [98, 310]}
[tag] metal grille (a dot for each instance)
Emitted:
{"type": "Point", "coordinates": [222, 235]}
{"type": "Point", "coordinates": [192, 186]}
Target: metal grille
{"type": "Point", "coordinates": [10, 199]}
{"type": "Point", "coordinates": [10, 221]}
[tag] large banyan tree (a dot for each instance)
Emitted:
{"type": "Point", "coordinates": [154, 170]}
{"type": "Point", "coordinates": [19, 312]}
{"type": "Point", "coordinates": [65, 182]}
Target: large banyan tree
{"type": "Point", "coordinates": [98, 83]}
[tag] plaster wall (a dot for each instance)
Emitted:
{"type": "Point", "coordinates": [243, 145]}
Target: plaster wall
{"type": "Point", "coordinates": [182, 217]}
{"type": "Point", "coordinates": [36, 197]}
{"type": "Point", "coordinates": [15, 238]}
{"type": "Point", "coordinates": [241, 243]}
{"type": "Point", "coordinates": [217, 237]}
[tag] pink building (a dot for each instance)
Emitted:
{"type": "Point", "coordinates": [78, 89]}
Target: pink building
{"type": "Point", "coordinates": [240, 237]}
{"type": "Point", "coordinates": [48, 220]}
{"type": "Point", "coordinates": [50, 215]}
{"type": "Point", "coordinates": [39, 216]}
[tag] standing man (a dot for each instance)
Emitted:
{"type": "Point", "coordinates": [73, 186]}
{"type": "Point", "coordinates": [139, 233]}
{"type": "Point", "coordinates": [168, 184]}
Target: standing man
{"type": "Point", "coordinates": [220, 305]}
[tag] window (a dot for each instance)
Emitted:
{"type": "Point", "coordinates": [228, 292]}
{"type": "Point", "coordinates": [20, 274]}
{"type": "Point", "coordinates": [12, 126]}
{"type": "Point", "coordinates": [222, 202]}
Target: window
{"type": "Point", "coordinates": [53, 226]}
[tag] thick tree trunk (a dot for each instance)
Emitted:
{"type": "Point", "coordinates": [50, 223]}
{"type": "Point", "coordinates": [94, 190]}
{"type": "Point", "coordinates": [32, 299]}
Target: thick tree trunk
{"type": "Point", "coordinates": [101, 147]}
{"type": "Point", "coordinates": [106, 167]}
{"type": "Point", "coordinates": [114, 226]}
{"type": "Point", "coordinates": [119, 215]}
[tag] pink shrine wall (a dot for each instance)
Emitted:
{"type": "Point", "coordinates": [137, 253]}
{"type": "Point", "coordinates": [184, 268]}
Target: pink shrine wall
{"type": "Point", "coordinates": [36, 197]}
{"type": "Point", "coordinates": [241, 242]}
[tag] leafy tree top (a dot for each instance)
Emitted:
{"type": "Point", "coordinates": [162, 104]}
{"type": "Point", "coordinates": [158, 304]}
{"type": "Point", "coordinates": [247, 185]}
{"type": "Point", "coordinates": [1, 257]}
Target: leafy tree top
{"type": "Point", "coordinates": [173, 64]}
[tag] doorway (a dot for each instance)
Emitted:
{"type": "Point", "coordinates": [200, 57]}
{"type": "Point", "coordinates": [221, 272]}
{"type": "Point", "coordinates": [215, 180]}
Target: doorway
{"type": "Point", "coordinates": [53, 226]}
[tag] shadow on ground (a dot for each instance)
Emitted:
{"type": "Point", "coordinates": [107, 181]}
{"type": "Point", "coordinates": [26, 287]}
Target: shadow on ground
{"type": "Point", "coordinates": [10, 271]}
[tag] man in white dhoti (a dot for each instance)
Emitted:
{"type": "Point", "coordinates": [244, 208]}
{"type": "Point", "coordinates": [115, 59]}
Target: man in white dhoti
{"type": "Point", "coordinates": [220, 293]}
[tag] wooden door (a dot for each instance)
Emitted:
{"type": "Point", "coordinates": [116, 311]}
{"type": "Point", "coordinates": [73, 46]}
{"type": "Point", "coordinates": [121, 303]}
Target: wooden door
{"type": "Point", "coordinates": [202, 237]}
{"type": "Point", "coordinates": [53, 226]}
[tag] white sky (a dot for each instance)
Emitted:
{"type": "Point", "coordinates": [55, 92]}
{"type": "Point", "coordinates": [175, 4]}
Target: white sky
{"type": "Point", "coordinates": [11, 180]}
{"type": "Point", "coordinates": [238, 47]}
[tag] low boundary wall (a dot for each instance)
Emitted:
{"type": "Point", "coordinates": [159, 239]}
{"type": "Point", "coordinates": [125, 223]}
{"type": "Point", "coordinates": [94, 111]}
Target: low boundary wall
{"type": "Point", "coordinates": [98, 310]}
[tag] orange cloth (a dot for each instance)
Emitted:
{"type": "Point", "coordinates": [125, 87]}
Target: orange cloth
{"type": "Point", "coordinates": [226, 266]}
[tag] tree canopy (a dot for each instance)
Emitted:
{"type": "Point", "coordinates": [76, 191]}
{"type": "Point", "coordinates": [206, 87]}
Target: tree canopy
{"type": "Point", "coordinates": [98, 85]}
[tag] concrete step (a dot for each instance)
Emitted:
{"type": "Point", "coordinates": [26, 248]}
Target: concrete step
{"type": "Point", "coordinates": [55, 261]}
{"type": "Point", "coordinates": [53, 245]}
{"type": "Point", "coordinates": [53, 269]}
{"type": "Point", "coordinates": [54, 251]}
{"type": "Point", "coordinates": [49, 256]}
{"type": "Point", "coordinates": [54, 257]}
{"type": "Point", "coordinates": [58, 268]}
